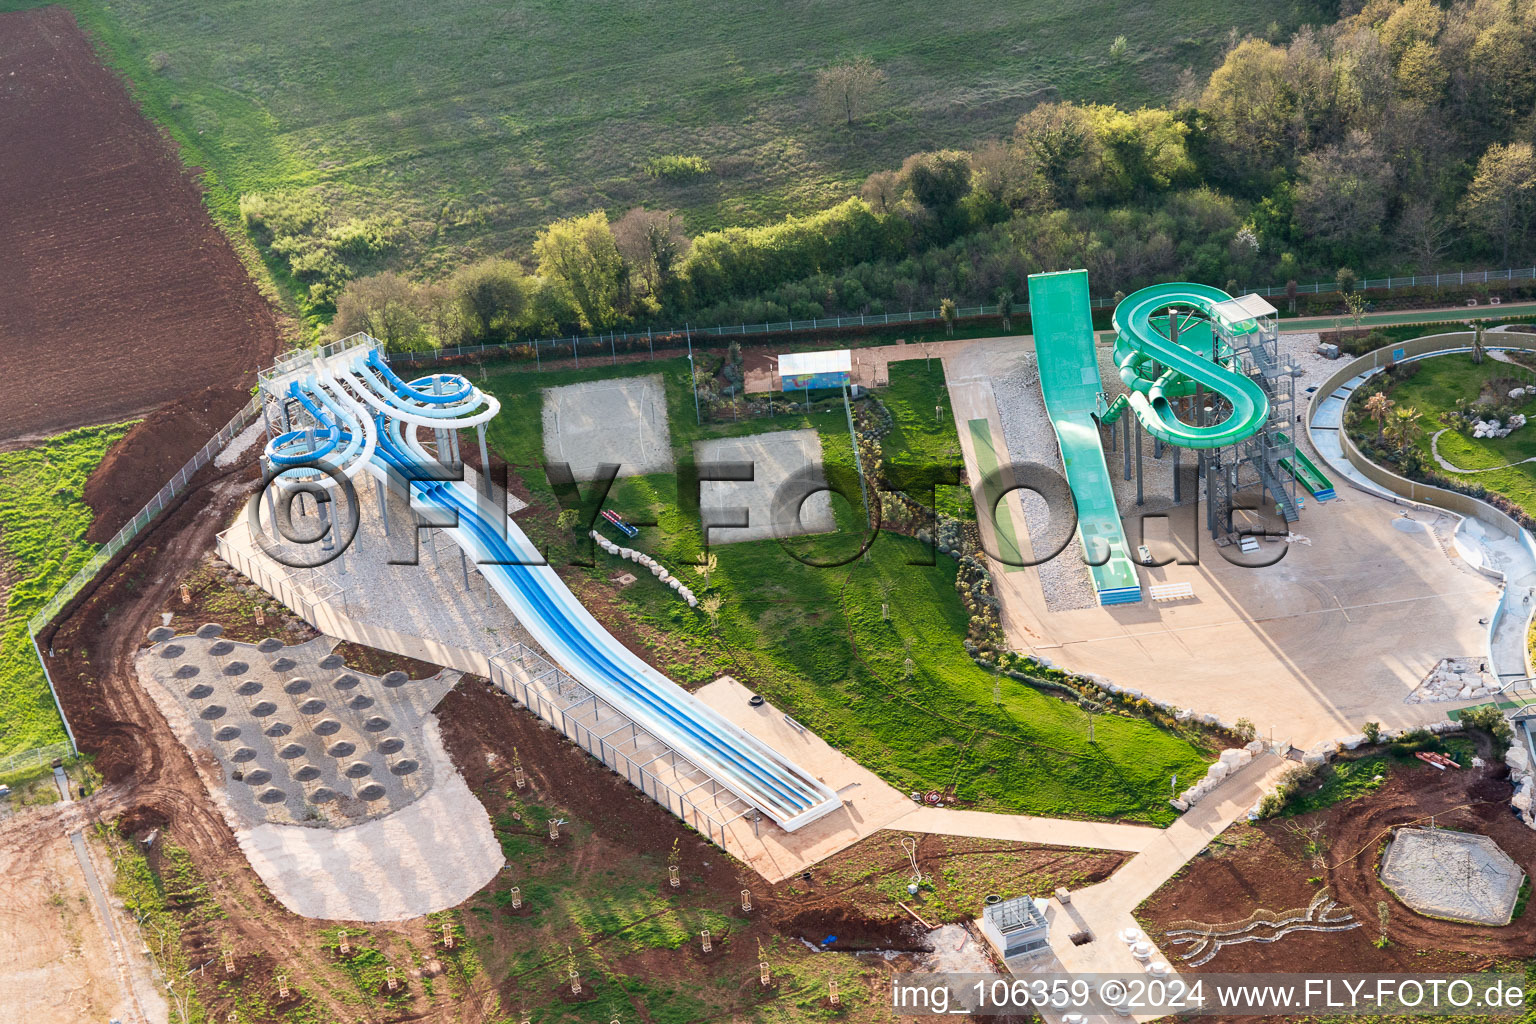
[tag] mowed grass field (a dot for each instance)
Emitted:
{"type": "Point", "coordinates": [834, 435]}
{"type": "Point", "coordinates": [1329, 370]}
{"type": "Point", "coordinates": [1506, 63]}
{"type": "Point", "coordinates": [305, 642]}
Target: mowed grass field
{"type": "Point", "coordinates": [478, 122]}
{"type": "Point", "coordinates": [898, 694]}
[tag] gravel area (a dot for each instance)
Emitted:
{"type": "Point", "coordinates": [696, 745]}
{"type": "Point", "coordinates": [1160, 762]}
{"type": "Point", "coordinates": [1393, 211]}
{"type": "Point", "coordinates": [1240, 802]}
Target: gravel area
{"type": "Point", "coordinates": [1461, 876]}
{"type": "Point", "coordinates": [434, 854]}
{"type": "Point", "coordinates": [238, 444]}
{"type": "Point", "coordinates": [1027, 432]}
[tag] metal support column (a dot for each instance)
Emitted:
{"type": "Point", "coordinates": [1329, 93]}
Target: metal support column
{"type": "Point", "coordinates": [1125, 417]}
{"type": "Point", "coordinates": [1138, 463]}
{"type": "Point", "coordinates": [383, 503]}
{"type": "Point", "coordinates": [485, 460]}
{"type": "Point", "coordinates": [1175, 473]}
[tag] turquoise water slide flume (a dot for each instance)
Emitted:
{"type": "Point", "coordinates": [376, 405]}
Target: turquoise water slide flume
{"type": "Point", "coordinates": [1071, 386]}
{"type": "Point", "coordinates": [1157, 369]}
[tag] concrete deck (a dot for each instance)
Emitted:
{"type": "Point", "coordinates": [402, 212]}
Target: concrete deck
{"type": "Point", "coordinates": [1340, 630]}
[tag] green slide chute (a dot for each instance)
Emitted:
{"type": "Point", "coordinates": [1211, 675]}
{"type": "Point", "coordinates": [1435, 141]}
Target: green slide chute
{"type": "Point", "coordinates": [1307, 473]}
{"type": "Point", "coordinates": [1166, 348]}
{"type": "Point", "coordinates": [1070, 383]}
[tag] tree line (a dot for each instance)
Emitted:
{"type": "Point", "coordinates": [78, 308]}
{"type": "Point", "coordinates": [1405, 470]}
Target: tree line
{"type": "Point", "coordinates": [1398, 137]}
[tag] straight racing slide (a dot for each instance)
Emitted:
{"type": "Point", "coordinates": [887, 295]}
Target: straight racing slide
{"type": "Point", "coordinates": [366, 418]}
{"type": "Point", "coordinates": [1070, 383]}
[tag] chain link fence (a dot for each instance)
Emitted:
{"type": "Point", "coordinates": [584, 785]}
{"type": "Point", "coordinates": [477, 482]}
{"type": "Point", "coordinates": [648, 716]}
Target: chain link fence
{"type": "Point", "coordinates": [34, 759]}
{"type": "Point", "coordinates": [610, 344]}
{"type": "Point", "coordinates": [109, 550]}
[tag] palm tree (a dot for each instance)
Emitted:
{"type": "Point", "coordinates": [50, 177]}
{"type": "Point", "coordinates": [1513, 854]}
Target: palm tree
{"type": "Point", "coordinates": [1377, 406]}
{"type": "Point", "coordinates": [1405, 426]}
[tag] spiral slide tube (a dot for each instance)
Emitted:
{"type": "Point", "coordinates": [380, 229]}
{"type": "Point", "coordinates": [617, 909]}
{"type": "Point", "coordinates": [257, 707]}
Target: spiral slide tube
{"type": "Point", "coordinates": [736, 760]}
{"type": "Point", "coordinates": [1156, 369]}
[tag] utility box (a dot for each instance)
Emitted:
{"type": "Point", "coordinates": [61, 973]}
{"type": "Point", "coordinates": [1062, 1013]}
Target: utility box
{"type": "Point", "coordinates": [1016, 928]}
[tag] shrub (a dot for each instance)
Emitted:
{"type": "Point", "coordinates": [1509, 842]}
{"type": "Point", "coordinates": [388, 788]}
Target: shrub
{"type": "Point", "coordinates": [675, 167]}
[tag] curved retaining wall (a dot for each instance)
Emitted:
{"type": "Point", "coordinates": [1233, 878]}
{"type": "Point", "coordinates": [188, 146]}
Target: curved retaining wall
{"type": "Point", "coordinates": [1410, 490]}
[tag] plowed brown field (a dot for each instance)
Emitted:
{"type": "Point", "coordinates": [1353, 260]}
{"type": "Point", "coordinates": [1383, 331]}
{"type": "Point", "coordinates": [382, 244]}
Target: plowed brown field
{"type": "Point", "coordinates": [117, 293]}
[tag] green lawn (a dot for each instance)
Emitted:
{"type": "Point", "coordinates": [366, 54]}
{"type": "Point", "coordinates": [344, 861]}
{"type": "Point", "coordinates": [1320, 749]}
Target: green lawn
{"type": "Point", "coordinates": [42, 528]}
{"type": "Point", "coordinates": [1435, 388]}
{"type": "Point", "coordinates": [813, 640]}
{"type": "Point", "coordinates": [477, 122]}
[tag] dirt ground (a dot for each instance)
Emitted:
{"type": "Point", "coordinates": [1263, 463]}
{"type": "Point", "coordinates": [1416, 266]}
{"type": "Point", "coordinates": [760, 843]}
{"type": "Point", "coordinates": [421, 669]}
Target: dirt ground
{"type": "Point", "coordinates": [117, 293]}
{"type": "Point", "coordinates": [1267, 865]}
{"type": "Point", "coordinates": [60, 968]}
{"type": "Point", "coordinates": [853, 895]}
{"type": "Point", "coordinates": [152, 784]}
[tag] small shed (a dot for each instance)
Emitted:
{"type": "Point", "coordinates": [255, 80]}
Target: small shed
{"type": "Point", "coordinates": [802, 371]}
{"type": "Point", "coordinates": [1016, 927]}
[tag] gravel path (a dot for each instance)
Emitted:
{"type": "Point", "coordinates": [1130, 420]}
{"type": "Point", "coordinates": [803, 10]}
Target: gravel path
{"type": "Point", "coordinates": [1027, 433]}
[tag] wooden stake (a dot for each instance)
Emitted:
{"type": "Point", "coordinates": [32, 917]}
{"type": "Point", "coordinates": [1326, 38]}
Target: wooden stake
{"type": "Point", "coordinates": [705, 936]}
{"type": "Point", "coordinates": [389, 976]}
{"type": "Point", "coordinates": [282, 986]}
{"type": "Point", "coordinates": [762, 969]}
{"type": "Point", "coordinates": [345, 948]}
{"type": "Point", "coordinates": [746, 901]}
{"type": "Point", "coordinates": [554, 829]}
{"type": "Point", "coordinates": [672, 876]}
{"type": "Point", "coordinates": [517, 898]}
{"type": "Point", "coordinates": [832, 990]}
{"type": "Point", "coordinates": [447, 935]}
{"type": "Point", "coordinates": [261, 616]}
{"type": "Point", "coordinates": [517, 769]}
{"type": "Point", "coordinates": [229, 961]}
{"type": "Point", "coordinates": [186, 595]}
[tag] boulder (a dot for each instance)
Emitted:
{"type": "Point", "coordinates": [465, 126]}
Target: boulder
{"type": "Point", "coordinates": [1353, 742]}
{"type": "Point", "coordinates": [1518, 759]}
{"type": "Point", "coordinates": [1255, 747]}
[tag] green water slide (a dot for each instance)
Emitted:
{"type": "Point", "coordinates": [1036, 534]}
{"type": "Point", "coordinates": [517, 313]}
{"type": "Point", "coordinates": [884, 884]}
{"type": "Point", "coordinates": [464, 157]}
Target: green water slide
{"type": "Point", "coordinates": [1166, 348]}
{"type": "Point", "coordinates": [1306, 471]}
{"type": "Point", "coordinates": [1070, 383]}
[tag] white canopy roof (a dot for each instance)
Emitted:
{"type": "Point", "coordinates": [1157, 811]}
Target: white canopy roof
{"type": "Point", "coordinates": [793, 364]}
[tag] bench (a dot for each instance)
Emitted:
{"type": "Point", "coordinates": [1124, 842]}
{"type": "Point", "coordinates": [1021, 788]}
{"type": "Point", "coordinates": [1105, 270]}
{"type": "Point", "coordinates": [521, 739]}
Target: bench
{"type": "Point", "coordinates": [1171, 591]}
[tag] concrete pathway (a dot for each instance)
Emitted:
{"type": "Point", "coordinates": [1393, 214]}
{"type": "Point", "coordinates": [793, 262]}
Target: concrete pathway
{"type": "Point", "coordinates": [1022, 828]}
{"type": "Point", "coordinates": [1105, 910]}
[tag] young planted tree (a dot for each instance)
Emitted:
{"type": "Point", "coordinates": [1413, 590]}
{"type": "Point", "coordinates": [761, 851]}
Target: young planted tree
{"type": "Point", "coordinates": [1005, 307]}
{"type": "Point", "coordinates": [948, 312]}
{"type": "Point", "coordinates": [1354, 302]}
{"type": "Point", "coordinates": [1405, 426]}
{"type": "Point", "coordinates": [849, 90]}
